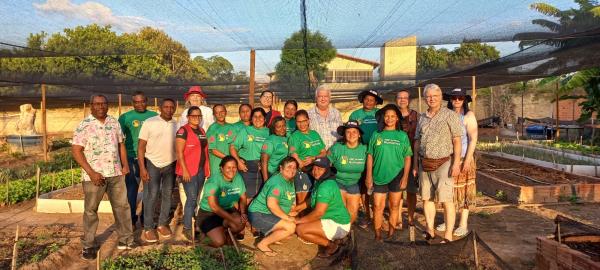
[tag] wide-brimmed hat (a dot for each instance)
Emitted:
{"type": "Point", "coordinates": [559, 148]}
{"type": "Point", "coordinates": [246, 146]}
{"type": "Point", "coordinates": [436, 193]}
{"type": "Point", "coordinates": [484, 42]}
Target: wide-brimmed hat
{"type": "Point", "coordinates": [373, 93]}
{"type": "Point", "coordinates": [194, 90]}
{"type": "Point", "coordinates": [341, 130]}
{"type": "Point", "coordinates": [457, 92]}
{"type": "Point", "coordinates": [322, 162]}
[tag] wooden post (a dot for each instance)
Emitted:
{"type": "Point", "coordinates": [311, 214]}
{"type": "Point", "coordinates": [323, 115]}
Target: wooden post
{"type": "Point", "coordinates": [419, 90]}
{"type": "Point", "coordinates": [13, 265]}
{"type": "Point", "coordinates": [474, 93]}
{"type": "Point", "coordinates": [252, 77]}
{"type": "Point", "coordinates": [156, 104]}
{"type": "Point", "coordinates": [475, 250]}
{"type": "Point", "coordinates": [37, 186]}
{"type": "Point", "coordinates": [120, 104]}
{"type": "Point", "coordinates": [44, 129]}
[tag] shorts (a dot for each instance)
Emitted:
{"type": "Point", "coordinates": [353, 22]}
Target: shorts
{"type": "Point", "coordinates": [209, 220]}
{"type": "Point", "coordinates": [252, 178]}
{"type": "Point", "coordinates": [437, 185]}
{"type": "Point", "coordinates": [393, 186]}
{"type": "Point", "coordinates": [264, 223]}
{"type": "Point", "coordinates": [302, 182]}
{"type": "Point", "coordinates": [334, 230]}
{"type": "Point", "coordinates": [353, 189]}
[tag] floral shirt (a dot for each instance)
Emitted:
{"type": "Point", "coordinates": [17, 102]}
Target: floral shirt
{"type": "Point", "coordinates": [100, 145]}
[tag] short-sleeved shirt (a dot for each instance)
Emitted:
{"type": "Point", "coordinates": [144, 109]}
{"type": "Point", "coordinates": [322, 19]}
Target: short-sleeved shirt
{"type": "Point", "coordinates": [276, 187]}
{"type": "Point", "coordinates": [249, 141]}
{"type": "Point", "coordinates": [367, 122]}
{"type": "Point", "coordinates": [160, 137]}
{"type": "Point", "coordinates": [328, 192]}
{"type": "Point", "coordinates": [326, 126]}
{"type": "Point", "coordinates": [290, 125]}
{"type": "Point", "coordinates": [227, 192]}
{"type": "Point", "coordinates": [131, 124]}
{"type": "Point", "coordinates": [349, 162]}
{"type": "Point", "coordinates": [388, 148]}
{"type": "Point", "coordinates": [277, 148]}
{"type": "Point", "coordinates": [305, 145]}
{"type": "Point", "coordinates": [436, 133]}
{"type": "Point", "coordinates": [100, 142]}
{"type": "Point", "coordinates": [182, 134]}
{"type": "Point", "coordinates": [219, 137]}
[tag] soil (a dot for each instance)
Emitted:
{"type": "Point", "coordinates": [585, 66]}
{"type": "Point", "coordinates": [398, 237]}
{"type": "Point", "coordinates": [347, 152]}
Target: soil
{"type": "Point", "coordinates": [515, 171]}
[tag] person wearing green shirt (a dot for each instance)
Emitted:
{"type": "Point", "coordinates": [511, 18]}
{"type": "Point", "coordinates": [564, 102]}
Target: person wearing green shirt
{"type": "Point", "coordinates": [131, 124]}
{"type": "Point", "coordinates": [305, 144]}
{"type": "Point", "coordinates": [217, 212]}
{"type": "Point", "coordinates": [244, 111]}
{"type": "Point", "coordinates": [269, 212]}
{"type": "Point", "coordinates": [349, 158]}
{"type": "Point", "coordinates": [289, 110]}
{"type": "Point", "coordinates": [246, 150]}
{"type": "Point", "coordinates": [219, 134]}
{"type": "Point", "coordinates": [365, 116]}
{"type": "Point", "coordinates": [275, 148]}
{"type": "Point", "coordinates": [389, 149]}
{"type": "Point", "coordinates": [329, 220]}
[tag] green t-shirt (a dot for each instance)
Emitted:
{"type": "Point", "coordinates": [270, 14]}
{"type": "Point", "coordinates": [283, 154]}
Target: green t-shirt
{"type": "Point", "coordinates": [328, 192]}
{"type": "Point", "coordinates": [278, 188]}
{"type": "Point", "coordinates": [388, 148]}
{"type": "Point", "coordinates": [219, 137]}
{"type": "Point", "coordinates": [228, 193]}
{"type": "Point", "coordinates": [349, 162]}
{"type": "Point", "coordinates": [305, 145]}
{"type": "Point", "coordinates": [249, 141]}
{"type": "Point", "coordinates": [367, 122]}
{"type": "Point", "coordinates": [131, 124]}
{"type": "Point", "coordinates": [277, 149]}
{"type": "Point", "coordinates": [290, 126]}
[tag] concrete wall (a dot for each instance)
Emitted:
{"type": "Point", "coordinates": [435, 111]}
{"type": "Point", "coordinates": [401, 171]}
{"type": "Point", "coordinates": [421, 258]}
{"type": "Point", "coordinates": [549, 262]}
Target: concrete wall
{"type": "Point", "coordinates": [399, 59]}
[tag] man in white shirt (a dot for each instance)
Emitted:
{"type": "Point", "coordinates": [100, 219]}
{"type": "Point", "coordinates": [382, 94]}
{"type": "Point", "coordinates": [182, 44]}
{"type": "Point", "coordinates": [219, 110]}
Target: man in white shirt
{"type": "Point", "coordinates": [324, 118]}
{"type": "Point", "coordinates": [156, 158]}
{"type": "Point", "coordinates": [196, 97]}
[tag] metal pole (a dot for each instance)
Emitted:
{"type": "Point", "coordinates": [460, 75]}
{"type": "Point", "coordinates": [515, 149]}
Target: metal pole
{"type": "Point", "coordinates": [252, 77]}
{"type": "Point", "coordinates": [44, 130]}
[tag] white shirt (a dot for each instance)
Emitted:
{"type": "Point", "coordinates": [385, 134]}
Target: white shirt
{"type": "Point", "coordinates": [207, 118]}
{"type": "Point", "coordinates": [160, 137]}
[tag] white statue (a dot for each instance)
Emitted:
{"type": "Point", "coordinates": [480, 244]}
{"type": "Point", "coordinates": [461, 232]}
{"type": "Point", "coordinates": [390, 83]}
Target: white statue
{"type": "Point", "coordinates": [25, 125]}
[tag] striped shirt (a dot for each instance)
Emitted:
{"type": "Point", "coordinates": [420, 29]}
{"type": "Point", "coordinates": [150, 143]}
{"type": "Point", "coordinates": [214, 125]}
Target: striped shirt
{"type": "Point", "coordinates": [326, 126]}
{"type": "Point", "coordinates": [436, 133]}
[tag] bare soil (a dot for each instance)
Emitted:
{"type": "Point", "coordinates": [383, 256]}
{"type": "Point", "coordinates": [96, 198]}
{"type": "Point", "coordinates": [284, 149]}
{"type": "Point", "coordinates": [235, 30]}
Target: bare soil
{"type": "Point", "coordinates": [516, 172]}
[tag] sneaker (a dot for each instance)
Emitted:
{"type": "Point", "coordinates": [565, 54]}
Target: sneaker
{"type": "Point", "coordinates": [89, 254]}
{"type": "Point", "coordinates": [150, 236]}
{"type": "Point", "coordinates": [460, 232]}
{"type": "Point", "coordinates": [441, 227]}
{"type": "Point", "coordinates": [164, 231]}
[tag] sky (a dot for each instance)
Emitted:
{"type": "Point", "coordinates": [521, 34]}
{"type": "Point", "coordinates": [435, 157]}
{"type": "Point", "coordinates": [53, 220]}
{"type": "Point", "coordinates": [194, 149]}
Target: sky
{"type": "Point", "coordinates": [230, 28]}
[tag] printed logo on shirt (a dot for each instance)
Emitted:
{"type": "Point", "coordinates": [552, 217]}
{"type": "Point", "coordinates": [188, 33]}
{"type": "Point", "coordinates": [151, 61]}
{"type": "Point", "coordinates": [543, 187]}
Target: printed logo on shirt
{"type": "Point", "coordinates": [135, 123]}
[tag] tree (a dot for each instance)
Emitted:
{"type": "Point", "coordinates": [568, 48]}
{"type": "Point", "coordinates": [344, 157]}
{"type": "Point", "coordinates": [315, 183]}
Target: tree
{"type": "Point", "coordinates": [295, 60]}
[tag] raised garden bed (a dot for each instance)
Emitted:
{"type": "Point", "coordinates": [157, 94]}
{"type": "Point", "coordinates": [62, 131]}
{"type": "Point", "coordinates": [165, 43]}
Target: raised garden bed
{"type": "Point", "coordinates": [521, 182]}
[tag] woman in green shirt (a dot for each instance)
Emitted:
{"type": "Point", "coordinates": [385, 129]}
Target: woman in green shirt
{"type": "Point", "coordinates": [389, 149]}
{"type": "Point", "coordinates": [329, 220]}
{"type": "Point", "coordinates": [274, 149]}
{"type": "Point", "coordinates": [349, 157]}
{"type": "Point", "coordinates": [246, 150]}
{"type": "Point", "coordinates": [269, 211]}
{"type": "Point", "coordinates": [217, 211]}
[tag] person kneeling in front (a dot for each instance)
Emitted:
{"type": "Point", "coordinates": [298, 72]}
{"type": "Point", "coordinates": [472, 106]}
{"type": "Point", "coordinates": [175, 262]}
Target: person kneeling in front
{"type": "Point", "coordinates": [329, 219]}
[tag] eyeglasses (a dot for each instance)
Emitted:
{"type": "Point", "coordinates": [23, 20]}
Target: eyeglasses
{"type": "Point", "coordinates": [461, 98]}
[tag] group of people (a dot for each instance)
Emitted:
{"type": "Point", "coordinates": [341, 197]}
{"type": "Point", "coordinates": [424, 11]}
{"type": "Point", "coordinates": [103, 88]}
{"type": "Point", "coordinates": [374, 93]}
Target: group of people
{"type": "Point", "coordinates": [304, 172]}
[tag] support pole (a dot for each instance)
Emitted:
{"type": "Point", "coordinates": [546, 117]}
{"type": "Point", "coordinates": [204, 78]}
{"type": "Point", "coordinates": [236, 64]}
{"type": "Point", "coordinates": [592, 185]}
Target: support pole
{"type": "Point", "coordinates": [13, 265]}
{"type": "Point", "coordinates": [420, 109]}
{"type": "Point", "coordinates": [252, 77]}
{"type": "Point", "coordinates": [474, 93]}
{"type": "Point", "coordinates": [44, 129]}
{"type": "Point", "coordinates": [120, 99]}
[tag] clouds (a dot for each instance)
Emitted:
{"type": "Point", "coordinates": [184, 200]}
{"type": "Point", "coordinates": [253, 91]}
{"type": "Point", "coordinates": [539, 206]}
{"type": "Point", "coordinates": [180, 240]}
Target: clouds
{"type": "Point", "coordinates": [93, 12]}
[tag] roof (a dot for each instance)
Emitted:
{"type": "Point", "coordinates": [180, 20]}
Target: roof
{"type": "Point", "coordinates": [356, 59]}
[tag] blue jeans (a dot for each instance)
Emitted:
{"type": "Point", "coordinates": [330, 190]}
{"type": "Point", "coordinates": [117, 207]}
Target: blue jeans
{"type": "Point", "coordinates": [192, 189]}
{"type": "Point", "coordinates": [161, 180]}
{"type": "Point", "coordinates": [132, 181]}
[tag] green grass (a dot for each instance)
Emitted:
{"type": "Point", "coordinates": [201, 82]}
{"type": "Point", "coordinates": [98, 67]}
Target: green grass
{"type": "Point", "coordinates": [530, 153]}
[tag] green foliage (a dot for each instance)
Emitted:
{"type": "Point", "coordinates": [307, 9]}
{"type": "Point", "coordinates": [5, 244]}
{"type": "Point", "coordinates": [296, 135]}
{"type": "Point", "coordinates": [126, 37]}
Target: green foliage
{"type": "Point", "coordinates": [293, 64]}
{"type": "Point", "coordinates": [179, 258]}
{"type": "Point", "coordinates": [469, 53]}
{"type": "Point", "coordinates": [24, 189]}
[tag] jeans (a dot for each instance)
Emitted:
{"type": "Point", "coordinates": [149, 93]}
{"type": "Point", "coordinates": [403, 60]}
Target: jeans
{"type": "Point", "coordinates": [115, 188]}
{"type": "Point", "coordinates": [192, 189]}
{"type": "Point", "coordinates": [161, 180]}
{"type": "Point", "coordinates": [132, 181]}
